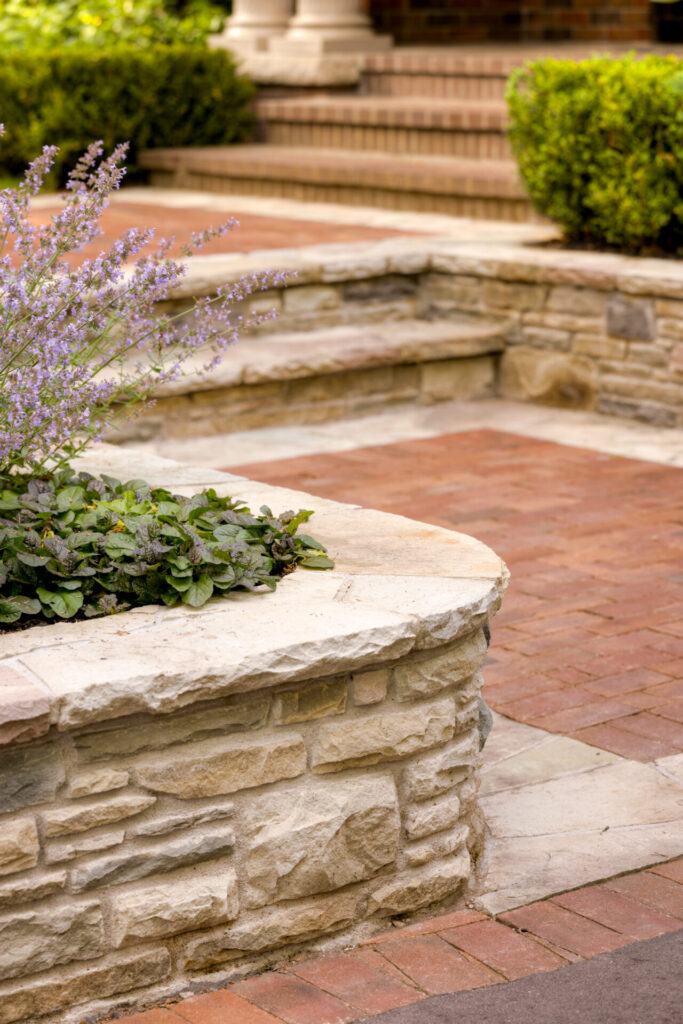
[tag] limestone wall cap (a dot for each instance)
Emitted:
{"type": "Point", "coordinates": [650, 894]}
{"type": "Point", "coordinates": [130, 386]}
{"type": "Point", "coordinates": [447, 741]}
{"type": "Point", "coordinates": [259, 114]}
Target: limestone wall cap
{"type": "Point", "coordinates": [398, 585]}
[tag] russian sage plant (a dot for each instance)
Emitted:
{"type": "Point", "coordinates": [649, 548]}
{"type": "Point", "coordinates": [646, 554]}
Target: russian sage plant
{"type": "Point", "coordinates": [82, 346]}
{"type": "Point", "coordinates": [79, 347]}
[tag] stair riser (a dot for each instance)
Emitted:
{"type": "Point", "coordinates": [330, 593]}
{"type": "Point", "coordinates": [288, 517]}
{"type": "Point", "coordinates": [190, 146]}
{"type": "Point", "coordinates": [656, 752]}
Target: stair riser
{"type": "Point", "coordinates": [320, 399]}
{"type": "Point", "coordinates": [486, 208]}
{"type": "Point", "coordinates": [485, 145]}
{"type": "Point", "coordinates": [463, 87]}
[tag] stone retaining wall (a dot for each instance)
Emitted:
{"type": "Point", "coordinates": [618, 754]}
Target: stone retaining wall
{"type": "Point", "coordinates": [590, 330]}
{"type": "Point", "coordinates": [191, 792]}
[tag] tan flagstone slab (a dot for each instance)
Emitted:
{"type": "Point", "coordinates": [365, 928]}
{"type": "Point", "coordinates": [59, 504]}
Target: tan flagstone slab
{"type": "Point", "coordinates": [554, 757]}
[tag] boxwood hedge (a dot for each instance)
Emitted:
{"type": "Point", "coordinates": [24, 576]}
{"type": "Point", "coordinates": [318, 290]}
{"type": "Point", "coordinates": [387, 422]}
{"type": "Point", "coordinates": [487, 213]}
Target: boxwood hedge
{"type": "Point", "coordinates": [159, 96]}
{"type": "Point", "coordinates": [600, 147]}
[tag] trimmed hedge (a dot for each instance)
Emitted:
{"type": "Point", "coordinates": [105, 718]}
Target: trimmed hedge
{"type": "Point", "coordinates": [161, 96]}
{"type": "Point", "coordinates": [600, 147]}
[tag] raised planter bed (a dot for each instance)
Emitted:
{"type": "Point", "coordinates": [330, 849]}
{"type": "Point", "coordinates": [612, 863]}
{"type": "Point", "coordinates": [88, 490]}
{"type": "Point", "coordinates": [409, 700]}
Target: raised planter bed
{"type": "Point", "coordinates": [187, 794]}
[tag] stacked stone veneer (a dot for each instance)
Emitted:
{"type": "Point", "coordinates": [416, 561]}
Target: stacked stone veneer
{"type": "Point", "coordinates": [248, 809]}
{"type": "Point", "coordinates": [584, 329]}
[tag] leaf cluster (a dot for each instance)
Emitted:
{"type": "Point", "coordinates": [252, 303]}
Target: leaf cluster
{"type": "Point", "coordinates": [50, 23]}
{"type": "Point", "coordinates": [600, 147]}
{"type": "Point", "coordinates": [161, 95]}
{"type": "Point", "coordinates": [74, 544]}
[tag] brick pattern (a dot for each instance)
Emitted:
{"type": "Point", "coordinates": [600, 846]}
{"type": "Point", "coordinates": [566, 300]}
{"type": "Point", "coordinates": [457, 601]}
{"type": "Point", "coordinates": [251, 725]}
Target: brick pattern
{"type": "Point", "coordinates": [588, 641]}
{"type": "Point", "coordinates": [446, 127]}
{"type": "Point", "coordinates": [451, 953]}
{"type": "Point", "coordinates": [433, 21]}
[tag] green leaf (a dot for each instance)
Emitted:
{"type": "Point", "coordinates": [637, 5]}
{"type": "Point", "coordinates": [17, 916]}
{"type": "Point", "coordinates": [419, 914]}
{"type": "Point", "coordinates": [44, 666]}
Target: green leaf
{"type": "Point", "coordinates": [317, 562]}
{"type": "Point", "coordinates": [28, 558]}
{"type": "Point", "coordinates": [70, 498]}
{"type": "Point", "coordinates": [199, 592]}
{"type": "Point", "coordinates": [9, 611]}
{"type": "Point", "coordinates": [63, 603]}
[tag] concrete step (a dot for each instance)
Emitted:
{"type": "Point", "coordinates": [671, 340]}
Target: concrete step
{"type": "Point", "coordinates": [433, 74]}
{"type": "Point", "coordinates": [488, 189]}
{"type": "Point", "coordinates": [328, 374]}
{"type": "Point", "coordinates": [418, 126]}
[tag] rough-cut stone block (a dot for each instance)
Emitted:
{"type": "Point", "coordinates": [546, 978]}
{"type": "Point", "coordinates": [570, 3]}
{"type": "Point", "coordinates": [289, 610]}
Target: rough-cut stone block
{"type": "Point", "coordinates": [26, 890]}
{"type": "Point", "coordinates": [443, 380]}
{"type": "Point", "coordinates": [272, 928]}
{"type": "Point", "coordinates": [388, 736]}
{"type": "Point", "coordinates": [19, 845]}
{"type": "Point", "coordinates": [311, 298]}
{"type": "Point", "coordinates": [427, 677]}
{"type": "Point", "coordinates": [419, 888]}
{"type": "Point", "coordinates": [443, 845]}
{"type": "Point", "coordinates": [598, 346]}
{"type": "Point", "coordinates": [29, 775]}
{"type": "Point", "coordinates": [38, 939]}
{"type": "Point", "coordinates": [315, 839]}
{"type": "Point", "coordinates": [437, 773]}
{"type": "Point", "coordinates": [173, 905]}
{"type": "Point", "coordinates": [175, 821]}
{"type": "Point", "coordinates": [65, 821]}
{"type": "Point", "coordinates": [24, 708]}
{"type": "Point", "coordinates": [633, 319]}
{"type": "Point", "coordinates": [100, 780]}
{"type": "Point", "coordinates": [555, 378]}
{"type": "Point", "coordinates": [218, 767]}
{"type": "Point", "coordinates": [545, 338]}
{"type": "Point", "coordinates": [670, 327]}
{"type": "Point", "coordinates": [425, 819]}
{"type": "Point", "coordinates": [140, 861]}
{"type": "Point", "coordinates": [370, 687]}
{"type": "Point", "coordinates": [512, 295]}
{"type": "Point", "coordinates": [577, 301]}
{"type": "Point", "coordinates": [314, 700]}
{"type": "Point", "coordinates": [66, 988]}
{"type": "Point", "coordinates": [467, 716]}
{"type": "Point", "coordinates": [447, 292]}
{"type": "Point", "coordinates": [649, 412]}
{"type": "Point", "coordinates": [58, 853]}
{"type": "Point", "coordinates": [192, 725]}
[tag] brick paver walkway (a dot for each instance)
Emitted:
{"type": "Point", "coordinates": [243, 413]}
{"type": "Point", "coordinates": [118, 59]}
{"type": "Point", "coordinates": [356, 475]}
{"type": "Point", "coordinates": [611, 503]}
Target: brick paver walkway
{"type": "Point", "coordinates": [254, 231]}
{"type": "Point", "coordinates": [589, 641]}
{"type": "Point", "coordinates": [447, 954]}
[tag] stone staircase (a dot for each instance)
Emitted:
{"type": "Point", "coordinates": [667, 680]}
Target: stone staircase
{"type": "Point", "coordinates": [423, 131]}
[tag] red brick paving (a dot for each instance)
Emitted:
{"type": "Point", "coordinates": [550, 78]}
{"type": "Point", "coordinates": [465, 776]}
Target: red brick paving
{"type": "Point", "coordinates": [405, 965]}
{"type": "Point", "coordinates": [254, 232]}
{"type": "Point", "coordinates": [508, 952]}
{"type": "Point", "coordinates": [435, 966]}
{"type": "Point", "coordinates": [589, 639]}
{"type": "Point", "coordinates": [366, 987]}
{"type": "Point", "coordinates": [294, 1000]}
{"type": "Point", "coordinates": [590, 629]}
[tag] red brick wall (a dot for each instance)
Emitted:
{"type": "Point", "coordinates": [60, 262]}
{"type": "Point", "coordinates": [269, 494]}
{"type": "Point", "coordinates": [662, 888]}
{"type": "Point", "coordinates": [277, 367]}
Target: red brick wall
{"type": "Point", "coordinates": [450, 21]}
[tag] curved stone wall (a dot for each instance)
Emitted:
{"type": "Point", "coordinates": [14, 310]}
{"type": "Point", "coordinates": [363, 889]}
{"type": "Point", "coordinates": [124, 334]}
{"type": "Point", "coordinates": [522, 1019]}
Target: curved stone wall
{"type": "Point", "coordinates": [186, 793]}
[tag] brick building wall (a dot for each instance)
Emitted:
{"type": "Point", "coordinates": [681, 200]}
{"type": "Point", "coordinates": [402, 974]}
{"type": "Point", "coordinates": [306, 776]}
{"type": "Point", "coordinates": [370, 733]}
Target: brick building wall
{"type": "Point", "coordinates": [450, 21]}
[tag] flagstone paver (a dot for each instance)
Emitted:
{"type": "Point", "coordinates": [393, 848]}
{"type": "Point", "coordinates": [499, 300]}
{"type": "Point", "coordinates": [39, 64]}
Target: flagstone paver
{"type": "Point", "coordinates": [588, 642]}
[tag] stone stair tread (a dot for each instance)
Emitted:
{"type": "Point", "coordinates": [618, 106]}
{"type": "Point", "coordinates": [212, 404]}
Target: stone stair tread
{"type": "Point", "coordinates": [297, 355]}
{"type": "Point", "coordinates": [395, 171]}
{"type": "Point", "coordinates": [388, 111]}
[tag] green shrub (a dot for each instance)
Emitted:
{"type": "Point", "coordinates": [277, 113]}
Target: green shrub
{"type": "Point", "coordinates": [161, 96]}
{"type": "Point", "coordinates": [73, 544]}
{"type": "Point", "coordinates": [600, 147]}
{"type": "Point", "coordinates": [56, 23]}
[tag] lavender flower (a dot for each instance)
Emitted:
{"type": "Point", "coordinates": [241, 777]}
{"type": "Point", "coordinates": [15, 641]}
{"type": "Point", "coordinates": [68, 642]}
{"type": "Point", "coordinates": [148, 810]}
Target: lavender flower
{"type": "Point", "coordinates": [82, 348]}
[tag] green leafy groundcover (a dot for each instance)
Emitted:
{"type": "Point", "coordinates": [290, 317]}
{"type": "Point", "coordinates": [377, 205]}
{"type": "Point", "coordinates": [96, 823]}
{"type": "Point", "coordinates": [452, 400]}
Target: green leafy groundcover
{"type": "Point", "coordinates": [78, 545]}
